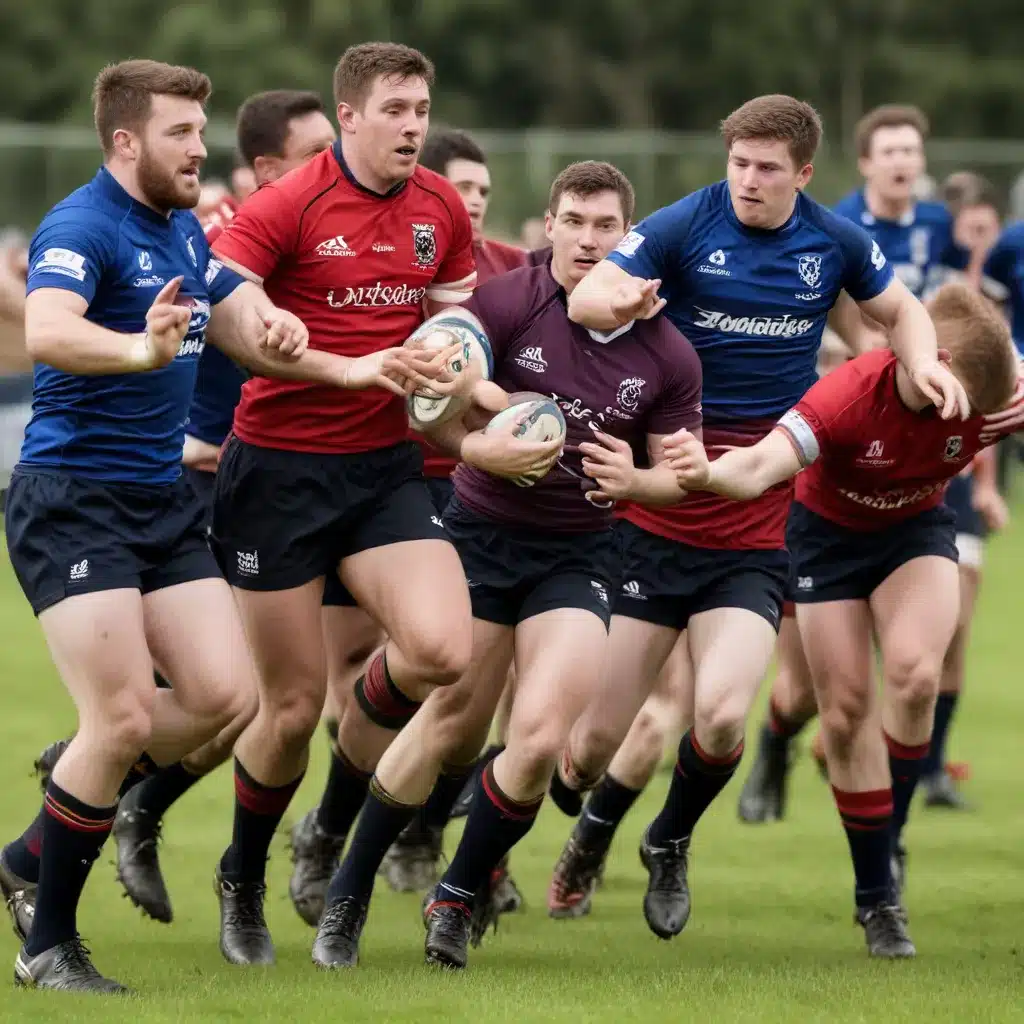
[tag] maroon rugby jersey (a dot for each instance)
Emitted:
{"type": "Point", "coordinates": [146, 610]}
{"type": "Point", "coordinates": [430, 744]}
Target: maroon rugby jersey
{"type": "Point", "coordinates": [871, 461]}
{"type": "Point", "coordinates": [355, 266]}
{"type": "Point", "coordinates": [492, 259]}
{"type": "Point", "coordinates": [642, 380]}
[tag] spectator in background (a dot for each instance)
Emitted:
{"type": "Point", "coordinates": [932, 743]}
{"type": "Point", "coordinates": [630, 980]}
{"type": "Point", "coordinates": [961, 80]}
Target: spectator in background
{"type": "Point", "coordinates": [243, 182]}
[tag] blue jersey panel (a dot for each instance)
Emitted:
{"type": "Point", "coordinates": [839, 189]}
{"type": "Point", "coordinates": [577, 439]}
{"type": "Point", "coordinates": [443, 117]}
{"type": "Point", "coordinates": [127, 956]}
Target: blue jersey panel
{"type": "Point", "coordinates": [1005, 266]}
{"type": "Point", "coordinates": [117, 254]}
{"type": "Point", "coordinates": [754, 303]}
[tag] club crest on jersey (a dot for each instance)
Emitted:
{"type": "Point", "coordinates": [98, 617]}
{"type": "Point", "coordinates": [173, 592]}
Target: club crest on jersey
{"type": "Point", "coordinates": [629, 392]}
{"type": "Point", "coordinates": [954, 448]}
{"type": "Point", "coordinates": [809, 268]}
{"type": "Point", "coordinates": [145, 261]}
{"type": "Point", "coordinates": [424, 244]}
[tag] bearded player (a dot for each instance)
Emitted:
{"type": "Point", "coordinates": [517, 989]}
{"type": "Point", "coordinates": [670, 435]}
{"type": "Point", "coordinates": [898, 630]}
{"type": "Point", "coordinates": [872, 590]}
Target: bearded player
{"type": "Point", "coordinates": [748, 269]}
{"type": "Point", "coordinates": [875, 558]}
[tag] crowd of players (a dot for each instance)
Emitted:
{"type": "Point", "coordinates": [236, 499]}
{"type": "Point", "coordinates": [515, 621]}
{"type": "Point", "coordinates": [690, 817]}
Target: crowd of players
{"type": "Point", "coordinates": [411, 586]}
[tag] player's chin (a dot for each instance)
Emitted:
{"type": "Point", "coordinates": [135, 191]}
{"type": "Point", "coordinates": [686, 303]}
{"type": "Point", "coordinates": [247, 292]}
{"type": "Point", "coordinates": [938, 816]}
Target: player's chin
{"type": "Point", "coordinates": [402, 164]}
{"type": "Point", "coordinates": [188, 191]}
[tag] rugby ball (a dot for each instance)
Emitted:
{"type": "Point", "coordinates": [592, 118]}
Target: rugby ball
{"type": "Point", "coordinates": [542, 420]}
{"type": "Point", "coordinates": [454, 326]}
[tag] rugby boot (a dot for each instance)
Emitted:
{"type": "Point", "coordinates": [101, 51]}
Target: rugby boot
{"type": "Point", "coordinates": [315, 856]}
{"type": "Point", "coordinates": [885, 932]}
{"type": "Point", "coordinates": [667, 900]}
{"type": "Point", "coordinates": [137, 833]}
{"type": "Point", "coordinates": [337, 937]}
{"type": "Point", "coordinates": [244, 936]}
{"type": "Point", "coordinates": [65, 967]}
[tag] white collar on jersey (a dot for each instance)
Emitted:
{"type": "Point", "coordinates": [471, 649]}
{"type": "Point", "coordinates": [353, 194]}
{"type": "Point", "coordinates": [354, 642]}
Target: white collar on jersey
{"type": "Point", "coordinates": [906, 218]}
{"type": "Point", "coordinates": [602, 339]}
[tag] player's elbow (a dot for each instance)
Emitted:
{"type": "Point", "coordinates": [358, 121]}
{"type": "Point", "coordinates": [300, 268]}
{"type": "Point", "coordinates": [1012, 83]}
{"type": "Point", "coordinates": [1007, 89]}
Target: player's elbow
{"type": "Point", "coordinates": [42, 339]}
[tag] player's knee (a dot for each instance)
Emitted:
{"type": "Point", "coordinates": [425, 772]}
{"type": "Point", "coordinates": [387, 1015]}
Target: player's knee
{"type": "Point", "coordinates": [440, 658]}
{"type": "Point", "coordinates": [451, 723]}
{"type": "Point", "coordinates": [124, 728]}
{"type": "Point", "coordinates": [720, 721]}
{"type": "Point", "coordinates": [538, 745]}
{"type": "Point", "coordinates": [650, 730]}
{"type": "Point", "coordinates": [914, 680]}
{"type": "Point", "coordinates": [293, 717]}
{"type": "Point", "coordinates": [845, 714]}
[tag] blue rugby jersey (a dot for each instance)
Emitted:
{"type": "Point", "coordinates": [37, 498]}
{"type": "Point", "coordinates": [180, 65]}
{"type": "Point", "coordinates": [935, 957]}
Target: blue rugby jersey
{"type": "Point", "coordinates": [117, 254]}
{"type": "Point", "coordinates": [1005, 265]}
{"type": "Point", "coordinates": [919, 245]}
{"type": "Point", "coordinates": [752, 302]}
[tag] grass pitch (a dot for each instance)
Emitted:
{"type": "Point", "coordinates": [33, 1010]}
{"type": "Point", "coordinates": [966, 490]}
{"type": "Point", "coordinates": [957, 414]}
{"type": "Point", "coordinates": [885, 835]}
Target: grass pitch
{"type": "Point", "coordinates": [771, 937]}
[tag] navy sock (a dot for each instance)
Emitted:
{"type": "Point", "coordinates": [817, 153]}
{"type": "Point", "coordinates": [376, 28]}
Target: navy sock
{"type": "Point", "coordinates": [381, 820]}
{"type": "Point", "coordinates": [697, 780]}
{"type": "Point", "coordinates": [781, 729]}
{"type": "Point", "coordinates": [905, 764]}
{"type": "Point", "coordinates": [945, 708]}
{"type": "Point", "coordinates": [343, 795]}
{"type": "Point", "coordinates": [605, 809]}
{"type": "Point", "coordinates": [22, 856]}
{"type": "Point", "coordinates": [159, 791]}
{"type": "Point", "coordinates": [142, 769]}
{"type": "Point", "coordinates": [494, 825]}
{"type": "Point", "coordinates": [450, 783]}
{"type": "Point", "coordinates": [258, 811]}
{"type": "Point", "coordinates": [73, 835]}
{"type": "Point", "coordinates": [867, 819]}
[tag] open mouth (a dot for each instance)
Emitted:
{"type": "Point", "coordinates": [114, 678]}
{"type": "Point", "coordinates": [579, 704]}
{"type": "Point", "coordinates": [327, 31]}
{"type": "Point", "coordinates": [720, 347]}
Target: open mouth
{"type": "Point", "coordinates": [750, 200]}
{"type": "Point", "coordinates": [900, 179]}
{"type": "Point", "coordinates": [190, 174]}
{"type": "Point", "coordinates": [406, 151]}
{"type": "Point", "coordinates": [586, 261]}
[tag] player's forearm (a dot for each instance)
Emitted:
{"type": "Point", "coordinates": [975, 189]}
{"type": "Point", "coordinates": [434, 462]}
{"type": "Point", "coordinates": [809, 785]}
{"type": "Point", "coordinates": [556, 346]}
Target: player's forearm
{"type": "Point", "coordinates": [448, 437]}
{"type": "Point", "coordinates": [12, 297]}
{"type": "Point", "coordinates": [71, 343]}
{"type": "Point", "coordinates": [742, 474]}
{"type": "Point", "coordinates": [590, 305]}
{"type": "Point", "coordinates": [657, 486]}
{"type": "Point", "coordinates": [912, 335]}
{"type": "Point", "coordinates": [985, 470]}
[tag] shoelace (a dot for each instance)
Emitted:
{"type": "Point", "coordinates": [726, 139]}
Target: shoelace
{"type": "Point", "coordinates": [74, 956]}
{"type": "Point", "coordinates": [342, 918]}
{"type": "Point", "coordinates": [670, 860]}
{"type": "Point", "coordinates": [886, 922]}
{"type": "Point", "coordinates": [579, 867]}
{"type": "Point", "coordinates": [450, 924]}
{"type": "Point", "coordinates": [246, 907]}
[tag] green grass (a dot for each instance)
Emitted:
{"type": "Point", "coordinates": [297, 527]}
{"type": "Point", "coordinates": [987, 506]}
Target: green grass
{"type": "Point", "coordinates": [771, 938]}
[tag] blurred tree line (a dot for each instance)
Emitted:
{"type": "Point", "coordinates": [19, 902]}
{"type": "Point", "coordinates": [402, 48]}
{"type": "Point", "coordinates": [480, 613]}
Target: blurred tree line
{"type": "Point", "coordinates": [667, 64]}
{"type": "Point", "coordinates": [600, 65]}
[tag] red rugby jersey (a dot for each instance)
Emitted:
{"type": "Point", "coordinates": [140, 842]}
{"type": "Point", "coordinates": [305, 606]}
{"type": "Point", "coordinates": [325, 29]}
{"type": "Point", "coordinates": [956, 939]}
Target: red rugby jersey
{"type": "Point", "coordinates": [355, 266]}
{"type": "Point", "coordinates": [492, 258]}
{"type": "Point", "coordinates": [871, 461]}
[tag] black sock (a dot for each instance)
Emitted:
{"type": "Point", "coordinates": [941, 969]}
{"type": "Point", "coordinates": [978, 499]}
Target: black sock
{"type": "Point", "coordinates": [22, 856]}
{"type": "Point", "coordinates": [450, 783]}
{"type": "Point", "coordinates": [73, 835]}
{"type": "Point", "coordinates": [495, 824]}
{"type": "Point", "coordinates": [258, 811]}
{"type": "Point", "coordinates": [343, 795]}
{"type": "Point", "coordinates": [905, 766]}
{"type": "Point", "coordinates": [380, 822]}
{"type": "Point", "coordinates": [697, 780]}
{"type": "Point", "coordinates": [781, 729]}
{"type": "Point", "coordinates": [157, 793]}
{"type": "Point", "coordinates": [605, 809]}
{"type": "Point", "coordinates": [142, 769]}
{"type": "Point", "coordinates": [945, 708]}
{"type": "Point", "coordinates": [491, 752]}
{"type": "Point", "coordinates": [867, 819]}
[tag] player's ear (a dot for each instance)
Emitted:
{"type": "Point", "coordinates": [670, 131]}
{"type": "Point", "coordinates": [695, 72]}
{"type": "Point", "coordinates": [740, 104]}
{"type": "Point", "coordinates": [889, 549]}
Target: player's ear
{"type": "Point", "coordinates": [265, 167]}
{"type": "Point", "coordinates": [803, 178]}
{"type": "Point", "coordinates": [125, 144]}
{"type": "Point", "coordinates": [945, 357]}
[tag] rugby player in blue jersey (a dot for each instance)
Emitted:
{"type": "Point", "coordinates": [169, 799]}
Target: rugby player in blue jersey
{"type": "Point", "coordinates": [748, 269]}
{"type": "Point", "coordinates": [105, 537]}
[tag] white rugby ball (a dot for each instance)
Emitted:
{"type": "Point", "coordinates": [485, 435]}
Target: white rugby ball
{"type": "Point", "coordinates": [449, 327]}
{"type": "Point", "coordinates": [543, 422]}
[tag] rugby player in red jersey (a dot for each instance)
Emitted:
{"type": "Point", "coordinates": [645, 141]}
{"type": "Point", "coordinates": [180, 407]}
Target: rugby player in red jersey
{"type": "Point", "coordinates": [315, 480]}
{"type": "Point", "coordinates": [874, 558]}
{"type": "Point", "coordinates": [543, 562]}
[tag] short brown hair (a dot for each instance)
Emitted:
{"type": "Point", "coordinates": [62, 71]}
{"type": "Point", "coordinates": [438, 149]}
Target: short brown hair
{"type": "Point", "coordinates": [264, 121]}
{"type": "Point", "coordinates": [978, 338]}
{"type": "Point", "coordinates": [122, 95]}
{"type": "Point", "coordinates": [889, 115]}
{"type": "Point", "coordinates": [588, 178]}
{"type": "Point", "coordinates": [965, 188]}
{"type": "Point", "coordinates": [360, 66]}
{"type": "Point", "coordinates": [776, 118]}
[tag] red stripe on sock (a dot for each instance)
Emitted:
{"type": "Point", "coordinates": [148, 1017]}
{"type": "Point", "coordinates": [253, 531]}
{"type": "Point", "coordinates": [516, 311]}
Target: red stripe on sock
{"type": "Point", "coordinates": [508, 807]}
{"type": "Point", "coordinates": [76, 821]}
{"type": "Point", "coordinates": [380, 694]}
{"type": "Point", "coordinates": [732, 757]}
{"type": "Point", "coordinates": [874, 803]}
{"type": "Point", "coordinates": [900, 750]}
{"type": "Point", "coordinates": [260, 799]}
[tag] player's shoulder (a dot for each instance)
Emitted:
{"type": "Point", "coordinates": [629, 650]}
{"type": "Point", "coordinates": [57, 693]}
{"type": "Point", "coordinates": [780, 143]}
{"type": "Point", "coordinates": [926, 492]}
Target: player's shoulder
{"type": "Point", "coordinates": [302, 184]}
{"type": "Point", "coordinates": [837, 227]}
{"type": "Point", "coordinates": [505, 252]}
{"type": "Point", "coordinates": [931, 214]}
{"type": "Point", "coordinates": [856, 379]}
{"type": "Point", "coordinates": [681, 214]}
{"type": "Point", "coordinates": [669, 345]}
{"type": "Point", "coordinates": [525, 286]}
{"type": "Point", "coordinates": [436, 188]}
{"type": "Point", "coordinates": [851, 206]}
{"type": "Point", "coordinates": [86, 209]}
{"type": "Point", "coordinates": [1012, 234]}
